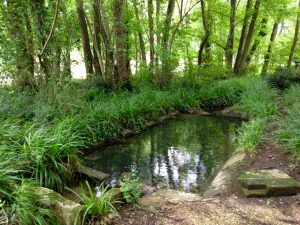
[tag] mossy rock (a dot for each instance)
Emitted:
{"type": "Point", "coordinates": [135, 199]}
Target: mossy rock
{"type": "Point", "coordinates": [267, 183]}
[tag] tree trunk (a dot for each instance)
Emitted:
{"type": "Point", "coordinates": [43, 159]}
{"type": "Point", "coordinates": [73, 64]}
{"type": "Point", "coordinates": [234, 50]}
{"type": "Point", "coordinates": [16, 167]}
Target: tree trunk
{"type": "Point", "coordinates": [38, 7]}
{"type": "Point", "coordinates": [140, 32]}
{"type": "Point", "coordinates": [109, 75]}
{"type": "Point", "coordinates": [158, 32]}
{"type": "Point", "coordinates": [242, 61]}
{"type": "Point", "coordinates": [295, 41]}
{"type": "Point", "coordinates": [205, 44]}
{"type": "Point", "coordinates": [270, 47]}
{"type": "Point", "coordinates": [24, 75]}
{"type": "Point", "coordinates": [97, 42]}
{"type": "Point", "coordinates": [243, 35]}
{"type": "Point", "coordinates": [120, 36]}
{"type": "Point", "coordinates": [151, 33]}
{"type": "Point", "coordinates": [262, 33]}
{"type": "Point", "coordinates": [166, 65]}
{"type": "Point", "coordinates": [88, 57]}
{"type": "Point", "coordinates": [230, 39]}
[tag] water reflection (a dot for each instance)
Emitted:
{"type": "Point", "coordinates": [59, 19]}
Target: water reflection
{"type": "Point", "coordinates": [183, 153]}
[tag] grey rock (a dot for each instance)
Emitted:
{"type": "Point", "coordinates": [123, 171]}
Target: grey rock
{"type": "Point", "coordinates": [267, 183]}
{"type": "Point", "coordinates": [92, 173]}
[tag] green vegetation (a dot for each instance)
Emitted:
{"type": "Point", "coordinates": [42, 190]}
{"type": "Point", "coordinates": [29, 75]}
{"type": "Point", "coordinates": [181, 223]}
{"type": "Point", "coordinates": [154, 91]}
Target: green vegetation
{"type": "Point", "coordinates": [139, 63]}
{"type": "Point", "coordinates": [257, 102]}
{"type": "Point", "coordinates": [94, 206]}
{"type": "Point", "coordinates": [288, 133]}
{"type": "Point", "coordinates": [131, 188]}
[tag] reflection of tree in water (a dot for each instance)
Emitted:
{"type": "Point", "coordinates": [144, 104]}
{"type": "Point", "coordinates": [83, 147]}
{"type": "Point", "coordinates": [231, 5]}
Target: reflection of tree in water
{"type": "Point", "coordinates": [182, 153]}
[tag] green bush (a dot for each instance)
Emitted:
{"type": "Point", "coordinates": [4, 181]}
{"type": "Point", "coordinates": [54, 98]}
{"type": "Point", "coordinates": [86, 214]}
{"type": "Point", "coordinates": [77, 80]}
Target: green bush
{"type": "Point", "coordinates": [284, 78]}
{"type": "Point", "coordinates": [131, 188]}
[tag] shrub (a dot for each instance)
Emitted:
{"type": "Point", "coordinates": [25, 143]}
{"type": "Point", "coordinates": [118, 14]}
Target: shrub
{"type": "Point", "coordinates": [131, 188]}
{"type": "Point", "coordinates": [284, 78]}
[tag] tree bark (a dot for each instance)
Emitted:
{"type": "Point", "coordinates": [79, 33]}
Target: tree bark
{"type": "Point", "coordinates": [109, 73]}
{"type": "Point", "coordinates": [88, 57]}
{"type": "Point", "coordinates": [120, 36]}
{"type": "Point", "coordinates": [151, 33]}
{"type": "Point", "coordinates": [270, 47]}
{"type": "Point", "coordinates": [230, 39]}
{"type": "Point", "coordinates": [244, 55]}
{"type": "Point", "coordinates": [243, 35]}
{"type": "Point", "coordinates": [262, 33]}
{"type": "Point", "coordinates": [24, 63]}
{"type": "Point", "coordinates": [158, 31]}
{"type": "Point", "coordinates": [205, 44]}
{"type": "Point", "coordinates": [166, 65]}
{"type": "Point", "coordinates": [97, 41]}
{"type": "Point", "coordinates": [140, 33]}
{"type": "Point", "coordinates": [295, 41]}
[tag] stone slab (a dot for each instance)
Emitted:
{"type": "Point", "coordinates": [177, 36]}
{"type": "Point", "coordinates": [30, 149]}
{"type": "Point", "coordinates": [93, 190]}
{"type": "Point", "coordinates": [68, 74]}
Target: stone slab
{"type": "Point", "coordinates": [267, 183]}
{"type": "Point", "coordinates": [163, 196]}
{"type": "Point", "coordinates": [92, 173]}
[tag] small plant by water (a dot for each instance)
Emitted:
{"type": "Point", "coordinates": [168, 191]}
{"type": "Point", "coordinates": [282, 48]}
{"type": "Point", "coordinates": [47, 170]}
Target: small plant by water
{"type": "Point", "coordinates": [131, 188]}
{"type": "Point", "coordinates": [96, 205]}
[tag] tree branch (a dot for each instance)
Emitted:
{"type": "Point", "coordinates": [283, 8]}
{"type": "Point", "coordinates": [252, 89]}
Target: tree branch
{"type": "Point", "coordinates": [52, 29]}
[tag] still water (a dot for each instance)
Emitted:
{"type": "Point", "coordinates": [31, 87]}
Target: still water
{"type": "Point", "coordinates": [183, 153]}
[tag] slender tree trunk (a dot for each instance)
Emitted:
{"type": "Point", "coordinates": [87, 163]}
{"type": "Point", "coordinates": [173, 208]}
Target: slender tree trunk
{"type": "Point", "coordinates": [166, 65]}
{"type": "Point", "coordinates": [230, 39]}
{"type": "Point", "coordinates": [24, 75]}
{"type": "Point", "coordinates": [140, 32]}
{"type": "Point", "coordinates": [151, 33]}
{"type": "Point", "coordinates": [270, 47]}
{"type": "Point", "coordinates": [243, 35]}
{"type": "Point", "coordinates": [295, 41]}
{"type": "Point", "coordinates": [109, 72]}
{"type": "Point", "coordinates": [38, 6]}
{"type": "Point", "coordinates": [262, 33]}
{"type": "Point", "coordinates": [158, 32]}
{"type": "Point", "coordinates": [120, 35]}
{"type": "Point", "coordinates": [67, 64]}
{"type": "Point", "coordinates": [205, 44]}
{"type": "Point", "coordinates": [97, 42]}
{"type": "Point", "coordinates": [242, 61]}
{"type": "Point", "coordinates": [88, 57]}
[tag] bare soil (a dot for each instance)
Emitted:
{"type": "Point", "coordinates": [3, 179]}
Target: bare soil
{"type": "Point", "coordinates": [231, 208]}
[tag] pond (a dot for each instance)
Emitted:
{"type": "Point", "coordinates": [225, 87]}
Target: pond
{"type": "Point", "coordinates": [183, 153]}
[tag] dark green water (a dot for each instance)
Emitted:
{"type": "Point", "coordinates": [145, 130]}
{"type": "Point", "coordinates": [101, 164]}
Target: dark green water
{"type": "Point", "coordinates": [183, 153]}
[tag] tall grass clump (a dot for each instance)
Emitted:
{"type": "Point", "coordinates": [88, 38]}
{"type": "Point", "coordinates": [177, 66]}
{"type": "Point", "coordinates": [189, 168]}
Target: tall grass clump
{"type": "Point", "coordinates": [96, 205]}
{"type": "Point", "coordinates": [289, 131]}
{"type": "Point", "coordinates": [258, 100]}
{"type": "Point", "coordinates": [52, 153]}
{"type": "Point", "coordinates": [250, 135]}
{"type": "Point", "coordinates": [28, 208]}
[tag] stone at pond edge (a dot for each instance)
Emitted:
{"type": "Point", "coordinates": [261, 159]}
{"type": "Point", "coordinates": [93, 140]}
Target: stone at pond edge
{"type": "Point", "coordinates": [116, 194]}
{"type": "Point", "coordinates": [66, 210]}
{"type": "Point", "coordinates": [267, 183]}
{"type": "Point", "coordinates": [92, 173]}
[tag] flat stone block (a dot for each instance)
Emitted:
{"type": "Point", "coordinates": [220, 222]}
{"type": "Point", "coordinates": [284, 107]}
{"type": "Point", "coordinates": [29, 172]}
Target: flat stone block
{"type": "Point", "coordinates": [267, 183]}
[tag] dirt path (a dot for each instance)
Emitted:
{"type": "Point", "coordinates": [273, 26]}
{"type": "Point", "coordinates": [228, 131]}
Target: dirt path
{"type": "Point", "coordinates": [232, 208]}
